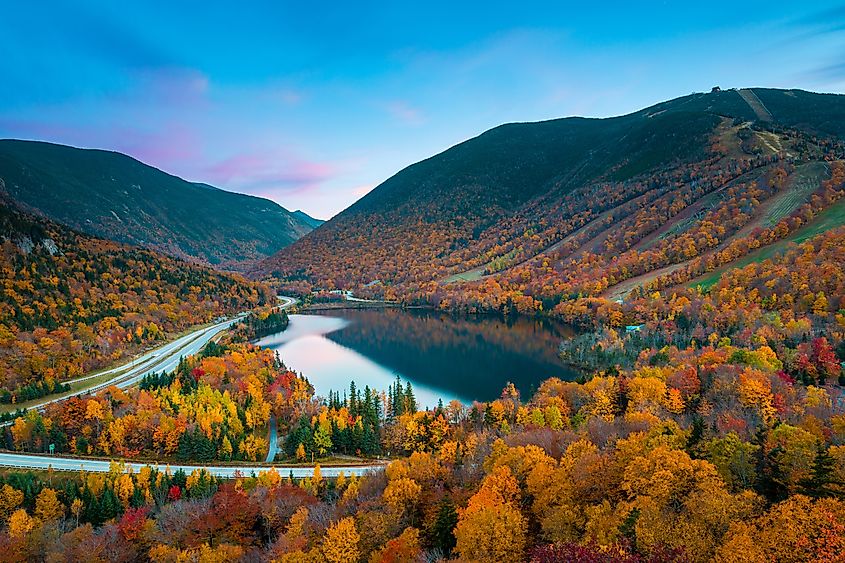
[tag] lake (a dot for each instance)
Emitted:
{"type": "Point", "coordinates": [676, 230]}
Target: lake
{"type": "Point", "coordinates": [444, 356]}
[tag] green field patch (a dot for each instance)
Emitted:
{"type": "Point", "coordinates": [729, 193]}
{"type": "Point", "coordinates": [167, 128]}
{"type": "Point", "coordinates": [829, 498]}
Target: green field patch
{"type": "Point", "coordinates": [830, 218]}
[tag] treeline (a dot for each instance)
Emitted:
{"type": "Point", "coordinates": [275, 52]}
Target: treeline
{"type": "Point", "coordinates": [34, 390]}
{"type": "Point", "coordinates": [263, 322]}
{"type": "Point", "coordinates": [213, 406]}
{"type": "Point", "coordinates": [692, 454]}
{"type": "Point", "coordinates": [351, 424]}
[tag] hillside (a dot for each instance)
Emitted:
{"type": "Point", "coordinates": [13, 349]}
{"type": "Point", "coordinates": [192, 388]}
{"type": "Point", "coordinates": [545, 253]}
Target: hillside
{"type": "Point", "coordinates": [537, 212]}
{"type": "Point", "coordinates": [307, 219]}
{"type": "Point", "coordinates": [72, 303]}
{"type": "Point", "coordinates": [114, 196]}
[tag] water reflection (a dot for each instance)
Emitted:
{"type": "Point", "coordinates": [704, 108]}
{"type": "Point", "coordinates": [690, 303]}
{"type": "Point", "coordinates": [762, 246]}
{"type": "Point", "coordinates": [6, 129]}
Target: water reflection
{"type": "Point", "coordinates": [444, 356]}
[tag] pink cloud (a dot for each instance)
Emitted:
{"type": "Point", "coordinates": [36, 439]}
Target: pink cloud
{"type": "Point", "coordinates": [34, 129]}
{"type": "Point", "coordinates": [266, 172]}
{"type": "Point", "coordinates": [170, 146]}
{"type": "Point", "coordinates": [361, 191]}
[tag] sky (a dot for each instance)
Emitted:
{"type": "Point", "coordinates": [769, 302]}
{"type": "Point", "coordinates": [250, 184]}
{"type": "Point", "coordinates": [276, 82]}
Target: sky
{"type": "Point", "coordinates": [313, 106]}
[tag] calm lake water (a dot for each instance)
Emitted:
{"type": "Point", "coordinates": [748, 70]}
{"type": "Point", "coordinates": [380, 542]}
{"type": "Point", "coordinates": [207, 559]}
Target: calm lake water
{"type": "Point", "coordinates": [444, 356]}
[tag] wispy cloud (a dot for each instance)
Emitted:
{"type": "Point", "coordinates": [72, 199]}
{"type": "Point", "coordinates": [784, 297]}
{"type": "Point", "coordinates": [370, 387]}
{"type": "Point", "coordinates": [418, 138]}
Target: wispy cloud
{"type": "Point", "coordinates": [111, 39]}
{"type": "Point", "coordinates": [173, 85]}
{"type": "Point", "coordinates": [826, 74]}
{"type": "Point", "coordinates": [169, 146]}
{"type": "Point", "coordinates": [269, 172]}
{"type": "Point", "coordinates": [405, 113]}
{"type": "Point", "coordinates": [361, 191]}
{"type": "Point", "coordinates": [831, 19]}
{"type": "Point", "coordinates": [290, 96]}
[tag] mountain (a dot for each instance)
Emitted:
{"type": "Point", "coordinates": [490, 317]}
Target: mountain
{"type": "Point", "coordinates": [541, 211]}
{"type": "Point", "coordinates": [114, 196]}
{"type": "Point", "coordinates": [307, 219]}
{"type": "Point", "coordinates": [73, 303]}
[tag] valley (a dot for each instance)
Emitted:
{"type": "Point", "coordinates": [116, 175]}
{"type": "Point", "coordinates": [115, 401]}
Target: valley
{"type": "Point", "coordinates": [616, 339]}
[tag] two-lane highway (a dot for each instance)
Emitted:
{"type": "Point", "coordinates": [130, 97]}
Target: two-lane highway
{"type": "Point", "coordinates": [166, 358]}
{"type": "Point", "coordinates": [163, 358]}
{"type": "Point", "coordinates": [45, 462]}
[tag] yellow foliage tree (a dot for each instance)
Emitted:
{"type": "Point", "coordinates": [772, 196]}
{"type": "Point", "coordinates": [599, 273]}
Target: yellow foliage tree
{"type": "Point", "coordinates": [491, 527]}
{"type": "Point", "coordinates": [48, 507]}
{"type": "Point", "coordinates": [341, 542]}
{"type": "Point", "coordinates": [20, 524]}
{"type": "Point", "coordinates": [10, 499]}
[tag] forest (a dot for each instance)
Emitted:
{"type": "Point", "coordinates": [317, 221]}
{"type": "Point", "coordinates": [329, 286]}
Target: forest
{"type": "Point", "coordinates": [72, 304]}
{"type": "Point", "coordinates": [716, 432]}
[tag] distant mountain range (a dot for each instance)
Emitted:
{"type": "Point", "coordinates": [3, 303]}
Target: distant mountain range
{"type": "Point", "coordinates": [571, 190]}
{"type": "Point", "coordinates": [114, 196]}
{"type": "Point", "coordinates": [307, 219]}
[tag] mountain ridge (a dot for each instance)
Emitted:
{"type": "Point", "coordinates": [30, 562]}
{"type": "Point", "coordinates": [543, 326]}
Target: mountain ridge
{"type": "Point", "coordinates": [112, 195]}
{"type": "Point", "coordinates": [522, 189]}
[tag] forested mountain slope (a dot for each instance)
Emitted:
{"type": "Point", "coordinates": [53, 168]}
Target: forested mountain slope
{"type": "Point", "coordinates": [71, 303]}
{"type": "Point", "coordinates": [114, 196]}
{"type": "Point", "coordinates": [530, 214]}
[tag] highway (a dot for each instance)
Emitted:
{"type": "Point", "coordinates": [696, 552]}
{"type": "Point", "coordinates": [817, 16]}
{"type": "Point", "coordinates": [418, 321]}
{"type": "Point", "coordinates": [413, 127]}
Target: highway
{"type": "Point", "coordinates": [163, 358]}
{"type": "Point", "coordinates": [166, 358]}
{"type": "Point", "coordinates": [57, 463]}
{"type": "Point", "coordinates": [273, 447]}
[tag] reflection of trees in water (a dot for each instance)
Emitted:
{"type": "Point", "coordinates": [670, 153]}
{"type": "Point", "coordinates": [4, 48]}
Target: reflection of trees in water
{"type": "Point", "coordinates": [472, 355]}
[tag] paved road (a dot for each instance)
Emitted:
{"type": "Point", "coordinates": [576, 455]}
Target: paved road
{"type": "Point", "coordinates": [287, 302]}
{"type": "Point", "coordinates": [43, 462]}
{"type": "Point", "coordinates": [166, 358]}
{"type": "Point", "coordinates": [274, 440]}
{"type": "Point", "coordinates": [161, 359]}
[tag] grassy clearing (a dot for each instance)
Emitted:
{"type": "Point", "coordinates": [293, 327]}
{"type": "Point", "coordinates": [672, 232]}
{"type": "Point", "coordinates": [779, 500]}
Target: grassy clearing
{"type": "Point", "coordinates": [807, 179]}
{"type": "Point", "coordinates": [830, 218]}
{"type": "Point", "coordinates": [471, 275]}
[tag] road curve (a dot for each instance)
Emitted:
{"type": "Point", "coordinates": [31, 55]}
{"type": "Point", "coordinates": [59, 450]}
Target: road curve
{"type": "Point", "coordinates": [57, 463]}
{"type": "Point", "coordinates": [166, 358]}
{"type": "Point", "coordinates": [273, 441]}
{"type": "Point", "coordinates": [163, 358]}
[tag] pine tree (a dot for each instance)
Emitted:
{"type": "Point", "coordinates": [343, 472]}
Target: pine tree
{"type": "Point", "coordinates": [369, 440]}
{"type": "Point", "coordinates": [822, 475]}
{"type": "Point", "coordinates": [204, 448]}
{"type": "Point", "coordinates": [185, 449]}
{"type": "Point", "coordinates": [442, 531]}
{"type": "Point", "coordinates": [109, 505]}
{"type": "Point", "coordinates": [353, 399]}
{"type": "Point", "coordinates": [410, 400]}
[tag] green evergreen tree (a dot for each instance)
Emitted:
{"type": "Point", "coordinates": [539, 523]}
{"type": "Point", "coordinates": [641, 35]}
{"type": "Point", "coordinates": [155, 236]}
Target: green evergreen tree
{"type": "Point", "coordinates": [410, 399]}
{"type": "Point", "coordinates": [822, 475]}
{"type": "Point", "coordinates": [442, 532]}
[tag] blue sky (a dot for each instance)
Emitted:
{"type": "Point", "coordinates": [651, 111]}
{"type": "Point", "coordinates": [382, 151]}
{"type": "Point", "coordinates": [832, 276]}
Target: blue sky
{"type": "Point", "coordinates": [313, 107]}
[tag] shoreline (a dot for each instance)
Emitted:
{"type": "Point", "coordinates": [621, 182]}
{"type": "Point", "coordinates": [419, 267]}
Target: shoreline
{"type": "Point", "coordinates": [359, 305]}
